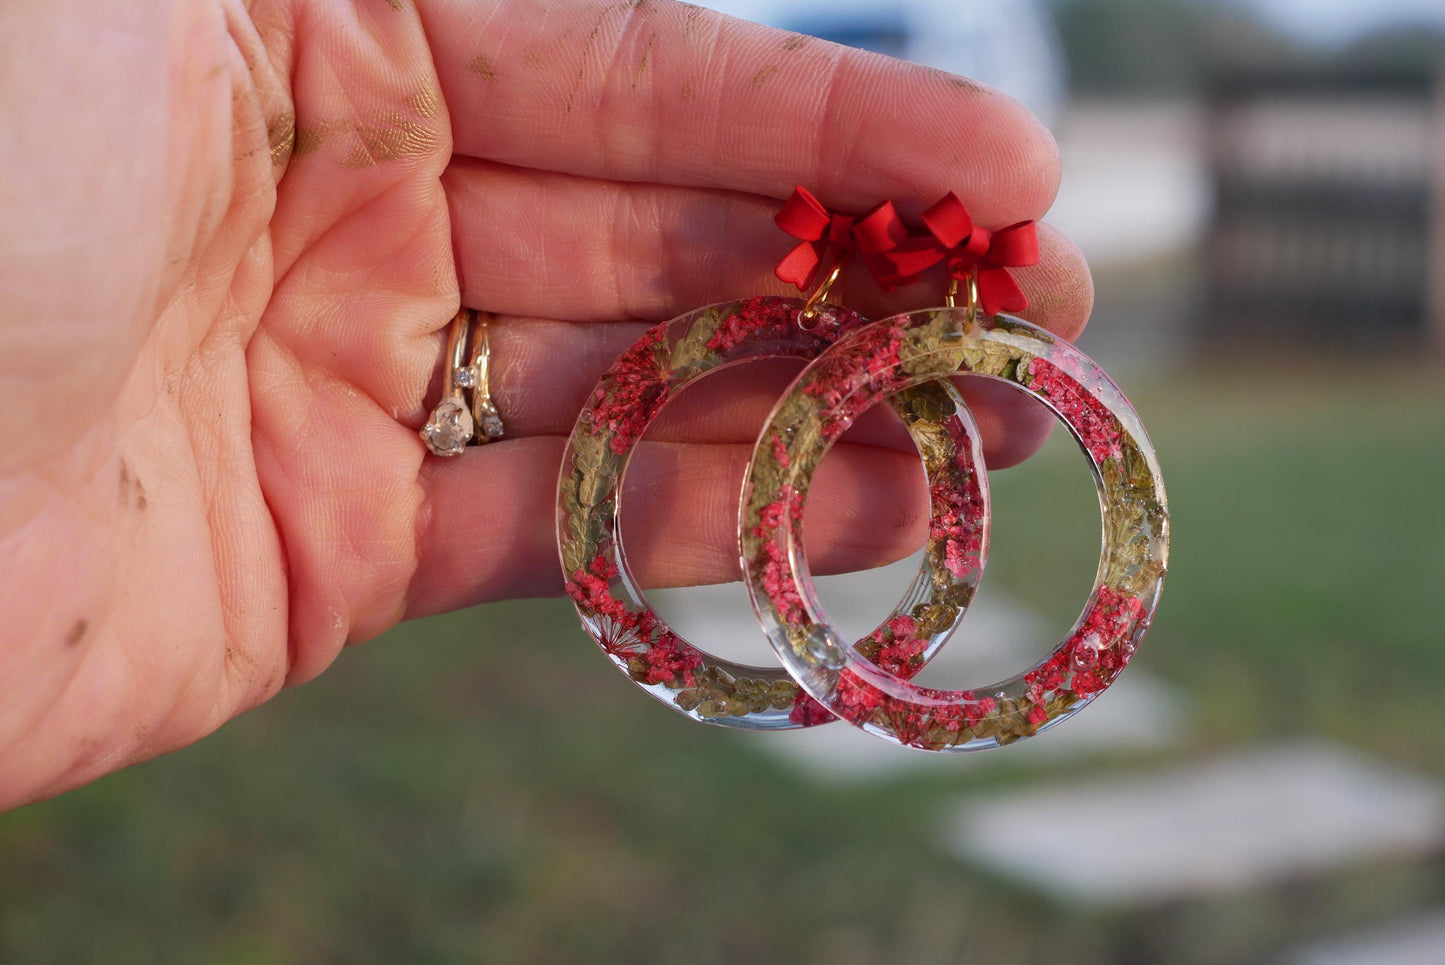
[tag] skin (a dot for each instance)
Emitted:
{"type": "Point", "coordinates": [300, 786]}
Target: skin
{"type": "Point", "coordinates": [234, 234]}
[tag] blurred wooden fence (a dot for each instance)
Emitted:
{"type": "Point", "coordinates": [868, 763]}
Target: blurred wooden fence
{"type": "Point", "coordinates": [1330, 204]}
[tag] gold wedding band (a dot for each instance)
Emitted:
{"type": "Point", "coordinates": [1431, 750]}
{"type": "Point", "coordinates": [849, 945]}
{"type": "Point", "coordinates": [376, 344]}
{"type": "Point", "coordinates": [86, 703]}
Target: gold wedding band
{"type": "Point", "coordinates": [487, 419]}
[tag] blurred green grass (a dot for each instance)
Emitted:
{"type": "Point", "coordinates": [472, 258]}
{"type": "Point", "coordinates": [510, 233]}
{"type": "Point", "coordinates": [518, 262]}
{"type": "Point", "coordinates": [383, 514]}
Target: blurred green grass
{"type": "Point", "coordinates": [483, 787]}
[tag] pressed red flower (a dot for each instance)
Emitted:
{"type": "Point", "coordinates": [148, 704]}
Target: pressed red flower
{"type": "Point", "coordinates": [633, 392]}
{"type": "Point", "coordinates": [669, 658]}
{"type": "Point", "coordinates": [1038, 715]}
{"type": "Point", "coordinates": [857, 699]}
{"type": "Point", "coordinates": [772, 559]}
{"type": "Point", "coordinates": [957, 508]}
{"type": "Point", "coordinates": [960, 558]}
{"type": "Point", "coordinates": [1048, 677]}
{"type": "Point", "coordinates": [780, 451]}
{"type": "Point", "coordinates": [621, 631]}
{"type": "Point", "coordinates": [1089, 416]}
{"type": "Point", "coordinates": [868, 361]}
{"type": "Point", "coordinates": [976, 710]}
{"type": "Point", "coordinates": [949, 718]}
{"type": "Point", "coordinates": [903, 625]}
{"type": "Point", "coordinates": [901, 654]}
{"type": "Point", "coordinates": [807, 712]}
{"type": "Point", "coordinates": [778, 584]}
{"type": "Point", "coordinates": [620, 639]}
{"type": "Point", "coordinates": [594, 594]}
{"type": "Point", "coordinates": [751, 319]}
{"type": "Point", "coordinates": [1101, 642]}
{"type": "Point", "coordinates": [910, 723]}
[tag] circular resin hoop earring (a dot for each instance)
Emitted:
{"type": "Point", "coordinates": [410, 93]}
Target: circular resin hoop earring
{"type": "Point", "coordinates": [613, 610]}
{"type": "Point", "coordinates": [890, 356]}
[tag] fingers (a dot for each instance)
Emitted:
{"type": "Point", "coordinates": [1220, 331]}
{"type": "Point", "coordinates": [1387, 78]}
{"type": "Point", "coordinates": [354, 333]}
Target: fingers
{"type": "Point", "coordinates": [542, 372]}
{"type": "Point", "coordinates": [669, 93]}
{"type": "Point", "coordinates": [867, 507]}
{"type": "Point", "coordinates": [559, 246]}
{"type": "Point", "coordinates": [1060, 288]}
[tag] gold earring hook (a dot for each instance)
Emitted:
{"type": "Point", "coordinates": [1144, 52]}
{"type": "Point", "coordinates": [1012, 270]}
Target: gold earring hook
{"type": "Point", "coordinates": [820, 294]}
{"type": "Point", "coordinates": [951, 299]}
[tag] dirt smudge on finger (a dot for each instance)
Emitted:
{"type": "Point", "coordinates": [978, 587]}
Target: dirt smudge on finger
{"type": "Point", "coordinates": [76, 633]}
{"type": "Point", "coordinates": [281, 135]}
{"type": "Point", "coordinates": [426, 102]}
{"type": "Point", "coordinates": [132, 490]}
{"type": "Point", "coordinates": [643, 63]}
{"type": "Point", "coordinates": [481, 65]}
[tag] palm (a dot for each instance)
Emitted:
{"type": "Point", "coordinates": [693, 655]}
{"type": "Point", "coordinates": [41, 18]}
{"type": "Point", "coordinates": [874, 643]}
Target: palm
{"type": "Point", "coordinates": [212, 481]}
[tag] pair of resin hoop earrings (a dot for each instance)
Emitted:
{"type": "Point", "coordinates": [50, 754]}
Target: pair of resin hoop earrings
{"type": "Point", "coordinates": [907, 360]}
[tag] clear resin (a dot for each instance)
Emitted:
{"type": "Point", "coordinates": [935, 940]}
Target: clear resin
{"type": "Point", "coordinates": [613, 610]}
{"type": "Point", "coordinates": [892, 356]}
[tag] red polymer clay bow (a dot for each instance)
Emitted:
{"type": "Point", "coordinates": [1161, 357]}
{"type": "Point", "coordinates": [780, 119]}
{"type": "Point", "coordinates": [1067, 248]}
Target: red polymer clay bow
{"type": "Point", "coordinates": [967, 248]}
{"type": "Point", "coordinates": [822, 232]}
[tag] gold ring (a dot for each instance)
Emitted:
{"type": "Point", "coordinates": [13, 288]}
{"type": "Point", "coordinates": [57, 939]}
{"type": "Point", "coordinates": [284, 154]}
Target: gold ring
{"type": "Point", "coordinates": [485, 417]}
{"type": "Point", "coordinates": [455, 421]}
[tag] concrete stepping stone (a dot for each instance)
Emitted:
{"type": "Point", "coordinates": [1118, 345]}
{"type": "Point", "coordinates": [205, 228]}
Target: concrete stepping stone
{"type": "Point", "coordinates": [1416, 941]}
{"type": "Point", "coordinates": [1217, 827]}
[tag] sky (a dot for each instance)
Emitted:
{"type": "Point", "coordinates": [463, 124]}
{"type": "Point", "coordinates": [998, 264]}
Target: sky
{"type": "Point", "coordinates": [1340, 21]}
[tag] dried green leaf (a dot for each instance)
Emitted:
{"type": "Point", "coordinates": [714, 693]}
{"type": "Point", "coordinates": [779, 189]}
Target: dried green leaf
{"type": "Point", "coordinates": [783, 693]}
{"type": "Point", "coordinates": [799, 637]}
{"type": "Point", "coordinates": [934, 617]}
{"type": "Point", "coordinates": [692, 348]}
{"type": "Point", "coordinates": [1021, 373]}
{"type": "Point", "coordinates": [920, 356]}
{"type": "Point", "coordinates": [767, 484]}
{"type": "Point", "coordinates": [576, 554]}
{"type": "Point", "coordinates": [1018, 326]}
{"type": "Point", "coordinates": [1138, 478]}
{"type": "Point", "coordinates": [934, 443]}
{"type": "Point", "coordinates": [1131, 532]}
{"type": "Point", "coordinates": [930, 401]}
{"type": "Point", "coordinates": [988, 357]}
{"type": "Point", "coordinates": [958, 595]}
{"type": "Point", "coordinates": [589, 451]}
{"type": "Point", "coordinates": [797, 409]}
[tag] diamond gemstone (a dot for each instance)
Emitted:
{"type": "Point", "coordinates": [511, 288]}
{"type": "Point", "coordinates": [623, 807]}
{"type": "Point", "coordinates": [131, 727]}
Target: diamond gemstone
{"type": "Point", "coordinates": [449, 429]}
{"type": "Point", "coordinates": [465, 378]}
{"type": "Point", "coordinates": [491, 425]}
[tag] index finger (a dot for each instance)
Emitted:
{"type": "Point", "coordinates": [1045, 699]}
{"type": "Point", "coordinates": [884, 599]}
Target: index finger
{"type": "Point", "coordinates": [670, 93]}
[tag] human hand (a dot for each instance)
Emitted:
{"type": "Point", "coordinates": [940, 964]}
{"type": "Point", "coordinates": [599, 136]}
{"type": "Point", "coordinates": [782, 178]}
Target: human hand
{"type": "Point", "coordinates": [233, 234]}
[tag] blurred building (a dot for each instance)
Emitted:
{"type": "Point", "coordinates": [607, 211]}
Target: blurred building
{"type": "Point", "coordinates": [1329, 216]}
{"type": "Point", "coordinates": [1007, 44]}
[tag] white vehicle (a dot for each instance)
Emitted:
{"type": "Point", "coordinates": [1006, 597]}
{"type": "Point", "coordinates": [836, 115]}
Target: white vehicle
{"type": "Point", "coordinates": [1008, 44]}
